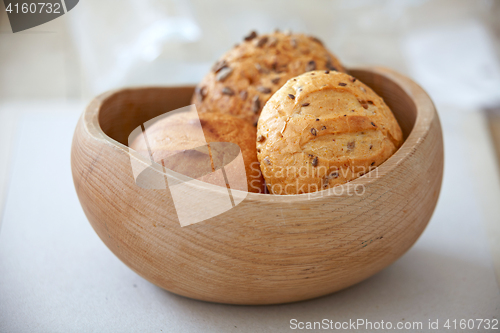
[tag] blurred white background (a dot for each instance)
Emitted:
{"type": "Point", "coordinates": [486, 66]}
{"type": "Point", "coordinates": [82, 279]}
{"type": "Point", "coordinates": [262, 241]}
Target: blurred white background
{"type": "Point", "coordinates": [451, 47]}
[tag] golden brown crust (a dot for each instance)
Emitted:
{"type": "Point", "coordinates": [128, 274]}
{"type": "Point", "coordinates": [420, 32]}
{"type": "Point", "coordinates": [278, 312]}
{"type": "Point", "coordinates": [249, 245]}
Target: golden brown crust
{"type": "Point", "coordinates": [323, 129]}
{"type": "Point", "coordinates": [243, 79]}
{"type": "Point", "coordinates": [172, 139]}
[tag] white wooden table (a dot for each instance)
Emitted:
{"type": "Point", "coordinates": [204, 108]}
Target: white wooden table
{"type": "Point", "coordinates": [57, 276]}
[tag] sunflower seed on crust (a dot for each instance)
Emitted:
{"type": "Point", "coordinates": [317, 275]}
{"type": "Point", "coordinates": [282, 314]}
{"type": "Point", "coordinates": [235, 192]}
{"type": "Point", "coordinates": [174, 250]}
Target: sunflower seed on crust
{"type": "Point", "coordinates": [264, 90]}
{"type": "Point", "coordinates": [255, 104]}
{"type": "Point", "coordinates": [219, 65]}
{"type": "Point", "coordinates": [250, 36]}
{"type": "Point", "coordinates": [311, 65]}
{"type": "Point", "coordinates": [201, 93]}
{"type": "Point", "coordinates": [223, 74]}
{"type": "Point", "coordinates": [261, 41]}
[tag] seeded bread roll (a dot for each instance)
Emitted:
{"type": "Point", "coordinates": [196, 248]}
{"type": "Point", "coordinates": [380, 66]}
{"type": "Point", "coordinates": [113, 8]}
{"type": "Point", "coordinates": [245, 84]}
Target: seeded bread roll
{"type": "Point", "coordinates": [323, 129]}
{"type": "Point", "coordinates": [177, 142]}
{"type": "Point", "coordinates": [243, 79]}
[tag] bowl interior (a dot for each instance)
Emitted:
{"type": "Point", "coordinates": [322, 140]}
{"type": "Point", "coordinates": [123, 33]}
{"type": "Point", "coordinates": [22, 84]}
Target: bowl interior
{"type": "Point", "coordinates": [124, 110]}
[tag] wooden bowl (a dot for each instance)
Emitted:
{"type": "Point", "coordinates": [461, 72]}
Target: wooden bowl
{"type": "Point", "coordinates": [268, 249]}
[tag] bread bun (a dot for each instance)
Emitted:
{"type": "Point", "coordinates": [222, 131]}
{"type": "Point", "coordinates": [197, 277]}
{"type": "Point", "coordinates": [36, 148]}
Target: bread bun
{"type": "Point", "coordinates": [177, 142]}
{"type": "Point", "coordinates": [243, 79]}
{"type": "Point", "coordinates": [322, 129]}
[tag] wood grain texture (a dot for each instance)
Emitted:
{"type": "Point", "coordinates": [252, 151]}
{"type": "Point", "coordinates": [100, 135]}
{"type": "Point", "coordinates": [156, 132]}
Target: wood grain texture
{"type": "Point", "coordinates": [268, 249]}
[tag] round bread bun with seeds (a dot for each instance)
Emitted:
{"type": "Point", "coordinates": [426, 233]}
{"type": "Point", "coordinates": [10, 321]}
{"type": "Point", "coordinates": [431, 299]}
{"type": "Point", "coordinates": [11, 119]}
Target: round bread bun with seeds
{"type": "Point", "coordinates": [243, 79]}
{"type": "Point", "coordinates": [322, 129]}
{"type": "Point", "coordinates": [176, 142]}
